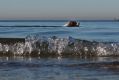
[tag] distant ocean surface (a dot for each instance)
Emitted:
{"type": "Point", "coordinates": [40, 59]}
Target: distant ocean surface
{"type": "Point", "coordinates": [88, 30]}
{"type": "Point", "coordinates": [46, 50]}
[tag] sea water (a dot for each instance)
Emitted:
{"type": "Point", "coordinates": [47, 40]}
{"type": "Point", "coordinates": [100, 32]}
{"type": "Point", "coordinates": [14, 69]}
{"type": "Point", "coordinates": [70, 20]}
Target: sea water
{"type": "Point", "coordinates": [88, 52]}
{"type": "Point", "coordinates": [89, 30]}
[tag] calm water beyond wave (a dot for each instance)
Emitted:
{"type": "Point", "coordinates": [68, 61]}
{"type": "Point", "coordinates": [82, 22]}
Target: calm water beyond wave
{"type": "Point", "coordinates": [101, 31]}
{"type": "Point", "coordinates": [54, 52]}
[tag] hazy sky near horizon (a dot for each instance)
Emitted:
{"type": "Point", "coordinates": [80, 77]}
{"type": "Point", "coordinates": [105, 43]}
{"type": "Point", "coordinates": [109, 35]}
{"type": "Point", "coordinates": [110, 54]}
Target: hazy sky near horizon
{"type": "Point", "coordinates": [59, 9]}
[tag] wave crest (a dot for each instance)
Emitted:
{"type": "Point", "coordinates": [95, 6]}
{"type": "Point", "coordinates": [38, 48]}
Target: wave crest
{"type": "Point", "coordinates": [35, 45]}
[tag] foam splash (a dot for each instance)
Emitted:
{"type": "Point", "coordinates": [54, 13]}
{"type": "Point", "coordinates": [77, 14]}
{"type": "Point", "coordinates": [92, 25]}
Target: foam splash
{"type": "Point", "coordinates": [55, 46]}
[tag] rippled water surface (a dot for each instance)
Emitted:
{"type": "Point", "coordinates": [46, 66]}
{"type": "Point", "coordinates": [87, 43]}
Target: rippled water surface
{"type": "Point", "coordinates": [78, 51]}
{"type": "Point", "coordinates": [101, 31]}
{"type": "Point", "coordinates": [58, 68]}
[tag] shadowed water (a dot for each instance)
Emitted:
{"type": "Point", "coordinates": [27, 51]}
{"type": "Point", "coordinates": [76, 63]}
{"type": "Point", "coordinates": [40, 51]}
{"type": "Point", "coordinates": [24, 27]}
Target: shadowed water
{"type": "Point", "coordinates": [20, 68]}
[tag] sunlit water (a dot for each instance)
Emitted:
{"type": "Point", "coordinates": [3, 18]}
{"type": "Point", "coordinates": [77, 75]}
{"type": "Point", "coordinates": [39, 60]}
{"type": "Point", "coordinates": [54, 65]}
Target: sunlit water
{"type": "Point", "coordinates": [59, 67]}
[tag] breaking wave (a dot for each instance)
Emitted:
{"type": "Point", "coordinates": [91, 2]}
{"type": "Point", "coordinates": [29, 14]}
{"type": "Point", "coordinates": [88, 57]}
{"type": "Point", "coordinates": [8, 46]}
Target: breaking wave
{"type": "Point", "coordinates": [36, 45]}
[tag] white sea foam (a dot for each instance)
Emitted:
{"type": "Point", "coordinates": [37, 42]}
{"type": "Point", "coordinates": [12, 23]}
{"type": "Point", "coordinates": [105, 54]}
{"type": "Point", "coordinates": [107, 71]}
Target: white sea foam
{"type": "Point", "coordinates": [60, 46]}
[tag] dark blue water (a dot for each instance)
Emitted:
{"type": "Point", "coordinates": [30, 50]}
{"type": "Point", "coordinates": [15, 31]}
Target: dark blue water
{"type": "Point", "coordinates": [59, 67]}
{"type": "Point", "coordinates": [99, 31]}
{"type": "Point", "coordinates": [21, 68]}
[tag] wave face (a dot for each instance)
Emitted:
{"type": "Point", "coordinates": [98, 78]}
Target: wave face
{"type": "Point", "coordinates": [35, 45]}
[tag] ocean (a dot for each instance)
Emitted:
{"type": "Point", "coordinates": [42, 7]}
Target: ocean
{"type": "Point", "coordinates": [47, 50]}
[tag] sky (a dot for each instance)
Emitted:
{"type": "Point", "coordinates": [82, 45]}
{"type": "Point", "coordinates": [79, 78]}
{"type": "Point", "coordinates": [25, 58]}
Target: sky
{"type": "Point", "coordinates": [59, 9]}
